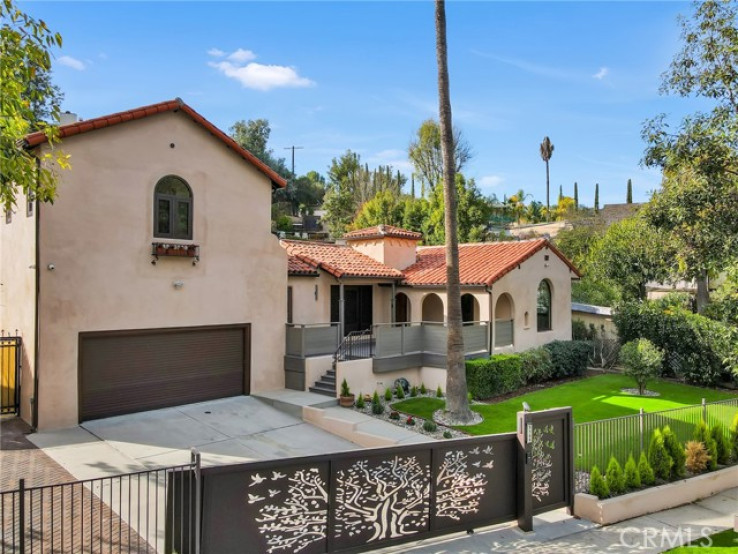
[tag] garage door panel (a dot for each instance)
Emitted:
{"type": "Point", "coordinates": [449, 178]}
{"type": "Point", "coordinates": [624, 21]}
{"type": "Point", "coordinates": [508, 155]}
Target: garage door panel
{"type": "Point", "coordinates": [131, 371]}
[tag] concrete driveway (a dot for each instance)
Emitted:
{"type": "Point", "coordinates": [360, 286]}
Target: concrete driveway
{"type": "Point", "coordinates": [226, 431]}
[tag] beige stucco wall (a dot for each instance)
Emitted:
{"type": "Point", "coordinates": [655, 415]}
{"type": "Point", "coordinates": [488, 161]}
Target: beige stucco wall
{"type": "Point", "coordinates": [18, 291]}
{"type": "Point", "coordinates": [361, 378]}
{"type": "Point", "coordinates": [599, 321]}
{"type": "Point", "coordinates": [98, 235]}
{"type": "Point", "coordinates": [394, 252]}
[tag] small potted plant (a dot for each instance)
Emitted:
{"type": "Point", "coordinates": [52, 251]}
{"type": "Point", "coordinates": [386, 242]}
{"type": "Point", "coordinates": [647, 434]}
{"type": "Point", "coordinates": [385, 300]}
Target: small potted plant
{"type": "Point", "coordinates": [161, 249]}
{"type": "Point", "coordinates": [346, 399]}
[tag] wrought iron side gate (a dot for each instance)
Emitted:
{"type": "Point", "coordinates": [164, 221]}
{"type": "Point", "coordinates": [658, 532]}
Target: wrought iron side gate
{"type": "Point", "coordinates": [10, 366]}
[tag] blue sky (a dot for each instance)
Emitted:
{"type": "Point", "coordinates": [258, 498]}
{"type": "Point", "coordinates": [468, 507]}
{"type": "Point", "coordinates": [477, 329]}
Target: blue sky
{"type": "Point", "coordinates": [331, 76]}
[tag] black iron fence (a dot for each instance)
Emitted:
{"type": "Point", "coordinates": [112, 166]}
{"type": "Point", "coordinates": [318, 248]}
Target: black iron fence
{"type": "Point", "coordinates": [140, 512]}
{"type": "Point", "coordinates": [10, 366]}
{"type": "Point", "coordinates": [356, 345]}
{"type": "Point", "coordinates": [596, 441]}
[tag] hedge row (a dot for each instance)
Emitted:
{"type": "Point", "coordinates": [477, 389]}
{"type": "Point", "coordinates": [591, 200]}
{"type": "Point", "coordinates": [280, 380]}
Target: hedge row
{"type": "Point", "coordinates": [503, 373]}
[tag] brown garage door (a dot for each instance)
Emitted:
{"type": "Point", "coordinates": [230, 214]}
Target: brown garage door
{"type": "Point", "coordinates": [122, 372]}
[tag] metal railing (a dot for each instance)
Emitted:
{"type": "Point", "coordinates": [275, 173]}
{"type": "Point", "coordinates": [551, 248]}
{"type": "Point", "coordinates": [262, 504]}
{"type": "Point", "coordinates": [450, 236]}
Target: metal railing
{"type": "Point", "coordinates": [143, 512]}
{"type": "Point", "coordinates": [356, 345]}
{"type": "Point", "coordinates": [10, 365]}
{"type": "Point", "coordinates": [313, 339]}
{"type": "Point", "coordinates": [596, 441]}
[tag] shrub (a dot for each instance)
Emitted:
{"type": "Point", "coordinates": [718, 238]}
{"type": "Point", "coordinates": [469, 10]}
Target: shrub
{"type": "Point", "coordinates": [632, 476]}
{"type": "Point", "coordinates": [734, 437]}
{"type": "Point", "coordinates": [400, 392]}
{"type": "Point", "coordinates": [695, 347]}
{"type": "Point", "coordinates": [439, 392]}
{"type": "Point", "coordinates": [568, 358]}
{"type": "Point", "coordinates": [642, 361]}
{"type": "Point", "coordinates": [536, 365]}
{"type": "Point", "coordinates": [430, 426]}
{"type": "Point", "coordinates": [410, 420]}
{"type": "Point", "coordinates": [645, 471]}
{"type": "Point", "coordinates": [345, 390]}
{"type": "Point", "coordinates": [394, 414]}
{"type": "Point", "coordinates": [597, 484]}
{"type": "Point", "coordinates": [414, 391]}
{"type": "Point", "coordinates": [388, 395]}
{"type": "Point", "coordinates": [721, 442]}
{"type": "Point", "coordinates": [498, 374]}
{"type": "Point", "coordinates": [580, 330]}
{"type": "Point", "coordinates": [702, 434]}
{"type": "Point", "coordinates": [360, 402]}
{"type": "Point", "coordinates": [615, 477]}
{"type": "Point", "coordinates": [447, 434]}
{"type": "Point", "coordinates": [423, 390]}
{"type": "Point", "coordinates": [658, 457]}
{"type": "Point", "coordinates": [377, 407]}
{"type": "Point", "coordinates": [676, 452]}
{"type": "Point", "coordinates": [697, 457]}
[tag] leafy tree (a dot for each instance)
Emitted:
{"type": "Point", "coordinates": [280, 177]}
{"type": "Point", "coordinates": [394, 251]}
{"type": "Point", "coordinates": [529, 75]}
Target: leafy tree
{"type": "Point", "coordinates": [474, 212]}
{"type": "Point", "coordinates": [547, 149]}
{"type": "Point", "coordinates": [700, 159]}
{"type": "Point", "coordinates": [597, 198]}
{"type": "Point", "coordinates": [425, 153]}
{"type": "Point", "coordinates": [676, 451]}
{"type": "Point", "coordinates": [27, 99]}
{"type": "Point", "coordinates": [385, 208]}
{"type": "Point", "coordinates": [516, 204]}
{"type": "Point", "coordinates": [630, 254]}
{"type": "Point", "coordinates": [632, 476]}
{"type": "Point", "coordinates": [658, 456]}
{"type": "Point", "coordinates": [629, 193]}
{"type": "Point", "coordinates": [724, 302]}
{"type": "Point", "coordinates": [253, 135]}
{"type": "Point", "coordinates": [534, 212]}
{"type": "Point", "coordinates": [595, 292]}
{"type": "Point", "coordinates": [576, 243]}
{"type": "Point", "coordinates": [564, 208]}
{"type": "Point", "coordinates": [457, 401]}
{"type": "Point", "coordinates": [641, 361]}
{"type": "Point", "coordinates": [307, 192]}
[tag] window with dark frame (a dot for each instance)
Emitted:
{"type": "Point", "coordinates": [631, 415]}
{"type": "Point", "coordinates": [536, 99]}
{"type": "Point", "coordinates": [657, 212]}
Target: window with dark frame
{"type": "Point", "coordinates": [543, 306]}
{"type": "Point", "coordinates": [173, 208]}
{"type": "Point", "coordinates": [289, 304]}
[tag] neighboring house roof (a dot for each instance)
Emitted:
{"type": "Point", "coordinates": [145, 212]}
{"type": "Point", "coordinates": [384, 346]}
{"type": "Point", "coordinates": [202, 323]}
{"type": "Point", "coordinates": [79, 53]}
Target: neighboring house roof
{"type": "Point", "coordinates": [340, 261]}
{"type": "Point", "coordinates": [479, 264]}
{"type": "Point", "coordinates": [591, 309]}
{"type": "Point", "coordinates": [381, 231]}
{"type": "Point", "coordinates": [299, 267]}
{"type": "Point", "coordinates": [176, 105]}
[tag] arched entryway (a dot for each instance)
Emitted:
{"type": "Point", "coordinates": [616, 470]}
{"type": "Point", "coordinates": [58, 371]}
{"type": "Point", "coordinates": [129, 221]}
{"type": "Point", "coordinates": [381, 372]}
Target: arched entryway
{"type": "Point", "coordinates": [469, 308]}
{"type": "Point", "coordinates": [432, 308]}
{"type": "Point", "coordinates": [504, 320]}
{"type": "Point", "coordinates": [403, 310]}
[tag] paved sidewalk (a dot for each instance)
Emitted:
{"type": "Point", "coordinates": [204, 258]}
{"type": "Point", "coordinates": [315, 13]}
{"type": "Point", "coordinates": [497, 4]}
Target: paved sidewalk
{"type": "Point", "coordinates": [558, 533]}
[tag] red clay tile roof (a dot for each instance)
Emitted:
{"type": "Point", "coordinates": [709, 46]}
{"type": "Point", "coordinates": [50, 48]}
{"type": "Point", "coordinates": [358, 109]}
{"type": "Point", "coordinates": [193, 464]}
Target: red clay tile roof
{"type": "Point", "coordinates": [339, 261]}
{"type": "Point", "coordinates": [380, 231]}
{"type": "Point", "coordinates": [298, 266]}
{"type": "Point", "coordinates": [34, 139]}
{"type": "Point", "coordinates": [479, 264]}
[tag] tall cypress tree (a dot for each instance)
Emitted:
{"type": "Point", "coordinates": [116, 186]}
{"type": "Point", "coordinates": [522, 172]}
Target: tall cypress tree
{"type": "Point", "coordinates": [576, 196]}
{"type": "Point", "coordinates": [561, 193]}
{"type": "Point", "coordinates": [597, 197]}
{"type": "Point", "coordinates": [629, 197]}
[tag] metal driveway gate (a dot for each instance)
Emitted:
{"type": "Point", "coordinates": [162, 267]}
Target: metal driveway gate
{"type": "Point", "coordinates": [372, 498]}
{"type": "Point", "coordinates": [10, 367]}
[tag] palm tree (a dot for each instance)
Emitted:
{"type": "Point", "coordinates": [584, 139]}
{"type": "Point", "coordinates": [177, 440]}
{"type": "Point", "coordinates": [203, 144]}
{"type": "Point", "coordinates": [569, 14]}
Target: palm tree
{"type": "Point", "coordinates": [457, 402]}
{"type": "Point", "coordinates": [547, 149]}
{"type": "Point", "coordinates": [517, 201]}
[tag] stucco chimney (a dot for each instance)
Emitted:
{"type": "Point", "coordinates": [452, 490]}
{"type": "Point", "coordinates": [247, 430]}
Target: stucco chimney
{"type": "Point", "coordinates": [389, 245]}
{"type": "Point", "coordinates": [68, 117]}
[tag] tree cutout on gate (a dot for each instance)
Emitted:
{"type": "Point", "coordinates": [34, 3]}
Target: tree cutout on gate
{"type": "Point", "coordinates": [388, 499]}
{"type": "Point", "coordinates": [542, 463]}
{"type": "Point", "coordinates": [299, 516]}
{"type": "Point", "coordinates": [458, 492]}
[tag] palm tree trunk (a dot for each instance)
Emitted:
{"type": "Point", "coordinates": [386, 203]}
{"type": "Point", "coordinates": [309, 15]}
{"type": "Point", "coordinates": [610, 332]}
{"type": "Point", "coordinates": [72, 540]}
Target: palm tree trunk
{"type": "Point", "coordinates": [457, 403]}
{"type": "Point", "coordinates": [548, 205]}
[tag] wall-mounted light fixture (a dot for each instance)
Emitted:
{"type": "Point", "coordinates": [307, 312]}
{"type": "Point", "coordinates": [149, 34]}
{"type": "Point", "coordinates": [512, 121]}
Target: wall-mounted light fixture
{"type": "Point", "coordinates": [51, 267]}
{"type": "Point", "coordinates": [178, 284]}
{"type": "Point", "coordinates": [316, 293]}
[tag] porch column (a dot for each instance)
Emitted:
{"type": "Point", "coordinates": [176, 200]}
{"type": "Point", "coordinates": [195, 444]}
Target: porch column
{"type": "Point", "coordinates": [341, 311]}
{"type": "Point", "coordinates": [492, 320]}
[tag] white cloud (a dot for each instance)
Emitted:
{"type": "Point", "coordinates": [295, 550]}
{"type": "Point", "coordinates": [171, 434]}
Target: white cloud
{"type": "Point", "coordinates": [74, 63]}
{"type": "Point", "coordinates": [261, 77]}
{"type": "Point", "coordinates": [491, 181]}
{"type": "Point", "coordinates": [601, 74]}
{"type": "Point", "coordinates": [242, 56]}
{"type": "Point", "coordinates": [216, 53]}
{"type": "Point", "coordinates": [394, 157]}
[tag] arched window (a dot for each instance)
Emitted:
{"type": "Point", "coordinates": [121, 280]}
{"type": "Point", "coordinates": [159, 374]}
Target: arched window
{"type": "Point", "coordinates": [402, 308]}
{"type": "Point", "coordinates": [172, 208]}
{"type": "Point", "coordinates": [469, 308]}
{"type": "Point", "coordinates": [543, 307]}
{"type": "Point", "coordinates": [432, 308]}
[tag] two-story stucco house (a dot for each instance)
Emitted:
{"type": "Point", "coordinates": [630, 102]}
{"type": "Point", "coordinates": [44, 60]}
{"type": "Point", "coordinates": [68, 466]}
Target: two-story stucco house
{"type": "Point", "coordinates": [153, 279]}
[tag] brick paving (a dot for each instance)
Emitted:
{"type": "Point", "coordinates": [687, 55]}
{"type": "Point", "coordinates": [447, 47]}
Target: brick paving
{"type": "Point", "coordinates": [58, 519]}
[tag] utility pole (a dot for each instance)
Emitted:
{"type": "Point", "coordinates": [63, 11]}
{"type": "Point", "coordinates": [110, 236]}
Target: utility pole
{"type": "Point", "coordinates": [293, 148]}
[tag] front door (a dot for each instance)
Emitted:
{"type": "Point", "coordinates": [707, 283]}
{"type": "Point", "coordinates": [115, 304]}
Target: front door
{"type": "Point", "coordinates": [357, 309]}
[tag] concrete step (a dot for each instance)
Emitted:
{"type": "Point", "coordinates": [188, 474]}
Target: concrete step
{"type": "Point", "coordinates": [327, 391]}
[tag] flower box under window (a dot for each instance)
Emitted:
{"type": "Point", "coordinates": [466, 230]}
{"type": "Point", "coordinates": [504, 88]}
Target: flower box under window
{"type": "Point", "coordinates": [159, 249]}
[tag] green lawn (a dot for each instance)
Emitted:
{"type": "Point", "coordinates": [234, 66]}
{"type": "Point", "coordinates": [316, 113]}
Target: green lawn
{"type": "Point", "coordinates": [725, 541]}
{"type": "Point", "coordinates": [591, 399]}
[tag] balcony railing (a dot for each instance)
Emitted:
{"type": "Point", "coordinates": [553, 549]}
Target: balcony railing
{"type": "Point", "coordinates": [314, 339]}
{"type": "Point", "coordinates": [398, 339]}
{"type": "Point", "coordinates": [504, 335]}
